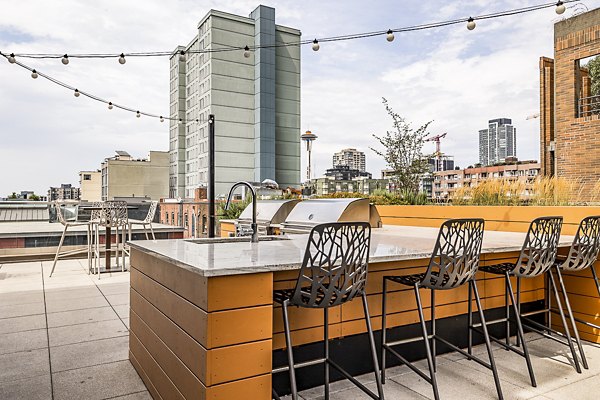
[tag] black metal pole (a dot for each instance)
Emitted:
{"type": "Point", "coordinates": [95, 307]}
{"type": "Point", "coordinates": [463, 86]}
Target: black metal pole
{"type": "Point", "coordinates": [211, 176]}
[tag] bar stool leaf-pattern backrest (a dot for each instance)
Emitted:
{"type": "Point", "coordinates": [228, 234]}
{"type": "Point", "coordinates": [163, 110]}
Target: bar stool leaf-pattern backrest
{"type": "Point", "coordinates": [455, 257]}
{"type": "Point", "coordinates": [151, 211]}
{"type": "Point", "coordinates": [334, 269]}
{"type": "Point", "coordinates": [59, 214]}
{"type": "Point", "coordinates": [539, 249]}
{"type": "Point", "coordinates": [586, 245]}
{"type": "Point", "coordinates": [115, 213]}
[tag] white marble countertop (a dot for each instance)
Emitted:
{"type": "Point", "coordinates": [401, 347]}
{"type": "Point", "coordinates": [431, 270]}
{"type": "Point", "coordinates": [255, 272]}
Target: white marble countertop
{"type": "Point", "coordinates": [233, 257]}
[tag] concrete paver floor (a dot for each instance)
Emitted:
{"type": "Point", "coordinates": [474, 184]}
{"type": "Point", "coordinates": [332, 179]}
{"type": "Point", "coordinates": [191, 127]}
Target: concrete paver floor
{"type": "Point", "coordinates": [66, 337]}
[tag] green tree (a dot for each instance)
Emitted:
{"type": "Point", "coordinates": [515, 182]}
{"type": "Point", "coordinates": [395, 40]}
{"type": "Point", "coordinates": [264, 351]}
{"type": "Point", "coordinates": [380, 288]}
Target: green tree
{"type": "Point", "coordinates": [34, 197]}
{"type": "Point", "coordinates": [594, 68]}
{"type": "Point", "coordinates": [403, 151]}
{"type": "Point", "coordinates": [12, 196]}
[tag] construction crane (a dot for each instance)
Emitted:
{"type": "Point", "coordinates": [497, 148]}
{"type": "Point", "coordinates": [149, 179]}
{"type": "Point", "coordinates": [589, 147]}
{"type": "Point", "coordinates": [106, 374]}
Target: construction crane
{"type": "Point", "coordinates": [438, 151]}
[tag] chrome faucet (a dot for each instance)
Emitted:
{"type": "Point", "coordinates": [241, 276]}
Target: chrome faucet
{"type": "Point", "coordinates": [253, 225]}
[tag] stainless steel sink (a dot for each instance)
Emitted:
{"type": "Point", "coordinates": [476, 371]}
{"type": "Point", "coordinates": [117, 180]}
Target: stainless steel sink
{"type": "Point", "coordinates": [236, 239]}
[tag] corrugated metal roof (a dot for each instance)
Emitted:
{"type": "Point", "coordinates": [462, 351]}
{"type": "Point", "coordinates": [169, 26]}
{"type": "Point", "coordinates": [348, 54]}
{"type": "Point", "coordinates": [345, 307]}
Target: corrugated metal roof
{"type": "Point", "coordinates": [25, 212]}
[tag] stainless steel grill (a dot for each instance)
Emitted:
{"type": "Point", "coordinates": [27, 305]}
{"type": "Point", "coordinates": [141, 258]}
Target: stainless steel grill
{"type": "Point", "coordinates": [269, 215]}
{"type": "Point", "coordinates": [309, 213]}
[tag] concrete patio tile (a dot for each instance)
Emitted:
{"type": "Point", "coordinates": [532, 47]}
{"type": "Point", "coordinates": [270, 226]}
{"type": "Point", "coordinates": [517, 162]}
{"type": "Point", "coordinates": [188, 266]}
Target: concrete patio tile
{"type": "Point", "coordinates": [586, 389]}
{"type": "Point", "coordinates": [145, 395]}
{"type": "Point", "coordinates": [21, 310]}
{"type": "Point", "coordinates": [82, 292]}
{"type": "Point", "coordinates": [118, 299]}
{"type": "Point", "coordinates": [22, 297]}
{"type": "Point", "coordinates": [97, 382]}
{"type": "Point", "coordinates": [25, 364]}
{"type": "Point", "coordinates": [458, 381]}
{"type": "Point", "coordinates": [59, 305]}
{"type": "Point", "coordinates": [23, 341]}
{"type": "Point", "coordinates": [126, 322]}
{"type": "Point", "coordinates": [20, 324]}
{"type": "Point", "coordinates": [113, 288]}
{"type": "Point", "coordinates": [88, 354]}
{"type": "Point", "coordinates": [31, 388]}
{"type": "Point", "coordinates": [86, 332]}
{"type": "Point", "coordinates": [122, 310]}
{"type": "Point", "coordinates": [85, 316]}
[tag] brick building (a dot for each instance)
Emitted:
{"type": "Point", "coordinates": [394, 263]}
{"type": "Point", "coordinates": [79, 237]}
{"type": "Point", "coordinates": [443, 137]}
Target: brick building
{"type": "Point", "coordinates": [569, 116]}
{"type": "Point", "coordinates": [445, 183]}
{"type": "Point", "coordinates": [190, 214]}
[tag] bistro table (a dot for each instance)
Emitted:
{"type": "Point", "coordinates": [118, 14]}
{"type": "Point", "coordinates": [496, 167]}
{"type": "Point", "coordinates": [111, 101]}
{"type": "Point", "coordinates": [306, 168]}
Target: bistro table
{"type": "Point", "coordinates": [107, 237]}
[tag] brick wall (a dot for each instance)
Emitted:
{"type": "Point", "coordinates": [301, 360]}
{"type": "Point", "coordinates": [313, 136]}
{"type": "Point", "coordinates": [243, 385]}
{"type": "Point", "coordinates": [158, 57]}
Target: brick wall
{"type": "Point", "coordinates": [577, 138]}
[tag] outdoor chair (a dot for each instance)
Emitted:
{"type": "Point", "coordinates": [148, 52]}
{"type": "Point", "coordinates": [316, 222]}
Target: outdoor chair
{"type": "Point", "coordinates": [146, 221]}
{"type": "Point", "coordinates": [537, 257]}
{"type": "Point", "coordinates": [333, 272]}
{"type": "Point", "coordinates": [113, 216]}
{"type": "Point", "coordinates": [453, 263]}
{"type": "Point", "coordinates": [70, 224]}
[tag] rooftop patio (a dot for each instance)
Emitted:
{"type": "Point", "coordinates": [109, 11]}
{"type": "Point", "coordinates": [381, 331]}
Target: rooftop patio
{"type": "Point", "coordinates": [66, 337]}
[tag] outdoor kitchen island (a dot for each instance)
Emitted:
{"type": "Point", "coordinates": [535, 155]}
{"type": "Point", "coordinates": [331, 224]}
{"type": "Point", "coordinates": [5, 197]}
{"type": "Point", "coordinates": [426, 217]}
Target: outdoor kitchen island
{"type": "Point", "coordinates": [203, 324]}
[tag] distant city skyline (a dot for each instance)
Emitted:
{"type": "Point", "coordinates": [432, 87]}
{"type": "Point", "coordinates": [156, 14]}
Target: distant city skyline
{"type": "Point", "coordinates": [498, 141]}
{"type": "Point", "coordinates": [449, 75]}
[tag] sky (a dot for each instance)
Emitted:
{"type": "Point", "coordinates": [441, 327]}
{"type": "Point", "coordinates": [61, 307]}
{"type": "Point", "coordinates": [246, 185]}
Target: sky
{"type": "Point", "coordinates": [458, 79]}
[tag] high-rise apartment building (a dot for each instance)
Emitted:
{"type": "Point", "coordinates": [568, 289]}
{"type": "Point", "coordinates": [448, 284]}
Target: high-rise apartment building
{"type": "Point", "coordinates": [352, 158]}
{"type": "Point", "coordinates": [255, 100]}
{"type": "Point", "coordinates": [497, 142]}
{"type": "Point", "coordinates": [66, 191]}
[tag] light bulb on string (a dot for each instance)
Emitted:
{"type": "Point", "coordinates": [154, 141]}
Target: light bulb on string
{"type": "Point", "coordinates": [560, 8]}
{"type": "Point", "coordinates": [316, 46]}
{"type": "Point", "coordinates": [137, 114]}
{"type": "Point", "coordinates": [122, 59]}
{"type": "Point", "coordinates": [471, 24]}
{"type": "Point", "coordinates": [65, 59]}
{"type": "Point", "coordinates": [11, 58]}
{"type": "Point", "coordinates": [390, 36]}
{"type": "Point", "coordinates": [246, 51]}
{"type": "Point", "coordinates": [162, 119]}
{"type": "Point", "coordinates": [180, 121]}
{"type": "Point", "coordinates": [76, 93]}
{"type": "Point", "coordinates": [34, 74]}
{"type": "Point", "coordinates": [182, 56]}
{"type": "Point", "coordinates": [110, 106]}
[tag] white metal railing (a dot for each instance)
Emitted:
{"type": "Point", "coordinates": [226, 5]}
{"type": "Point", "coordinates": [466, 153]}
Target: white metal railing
{"type": "Point", "coordinates": [588, 106]}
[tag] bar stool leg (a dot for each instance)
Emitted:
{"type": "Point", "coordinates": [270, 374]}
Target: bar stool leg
{"type": "Point", "coordinates": [470, 321]}
{"type": "Point", "coordinates": [62, 239]}
{"type": "Point", "coordinates": [288, 344]}
{"type": "Point", "coordinates": [89, 248]}
{"type": "Point", "coordinates": [373, 348]}
{"type": "Point", "coordinates": [507, 314]}
{"type": "Point", "coordinates": [571, 317]}
{"type": "Point", "coordinates": [152, 231]}
{"type": "Point", "coordinates": [383, 329]}
{"type": "Point", "coordinates": [564, 322]}
{"type": "Point", "coordinates": [488, 344]}
{"type": "Point", "coordinates": [326, 349]}
{"type": "Point", "coordinates": [433, 339]}
{"type": "Point", "coordinates": [595, 278]}
{"type": "Point", "coordinates": [436, 394]}
{"type": "Point", "coordinates": [518, 306]}
{"type": "Point", "coordinates": [520, 334]}
{"type": "Point", "coordinates": [548, 303]}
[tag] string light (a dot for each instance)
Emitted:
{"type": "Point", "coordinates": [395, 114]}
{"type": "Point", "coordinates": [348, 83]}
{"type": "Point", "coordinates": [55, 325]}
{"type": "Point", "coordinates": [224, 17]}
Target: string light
{"type": "Point", "coordinates": [110, 106]}
{"type": "Point", "coordinates": [11, 58]}
{"type": "Point", "coordinates": [65, 59]}
{"type": "Point", "coordinates": [390, 36]}
{"type": "Point", "coordinates": [162, 119]}
{"type": "Point", "coordinates": [471, 24]}
{"type": "Point", "coordinates": [180, 121]}
{"type": "Point", "coordinates": [559, 8]}
{"type": "Point", "coordinates": [182, 56]}
{"type": "Point", "coordinates": [315, 45]}
{"type": "Point", "coordinates": [137, 114]}
{"type": "Point", "coordinates": [76, 94]}
{"type": "Point", "coordinates": [246, 51]}
{"type": "Point", "coordinates": [34, 74]}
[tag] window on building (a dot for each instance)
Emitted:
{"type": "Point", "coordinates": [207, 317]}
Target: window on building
{"type": "Point", "coordinates": [87, 177]}
{"type": "Point", "coordinates": [587, 86]}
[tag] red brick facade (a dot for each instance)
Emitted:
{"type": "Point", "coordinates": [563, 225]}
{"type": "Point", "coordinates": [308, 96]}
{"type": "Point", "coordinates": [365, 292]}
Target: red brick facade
{"type": "Point", "coordinates": [569, 141]}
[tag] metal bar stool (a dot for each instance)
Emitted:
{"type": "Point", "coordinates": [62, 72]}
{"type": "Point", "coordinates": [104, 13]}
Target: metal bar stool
{"type": "Point", "coordinates": [114, 215]}
{"type": "Point", "coordinates": [145, 221]}
{"type": "Point", "coordinates": [70, 224]}
{"type": "Point", "coordinates": [333, 272]}
{"type": "Point", "coordinates": [537, 257]}
{"type": "Point", "coordinates": [454, 262]}
{"type": "Point", "coordinates": [582, 254]}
